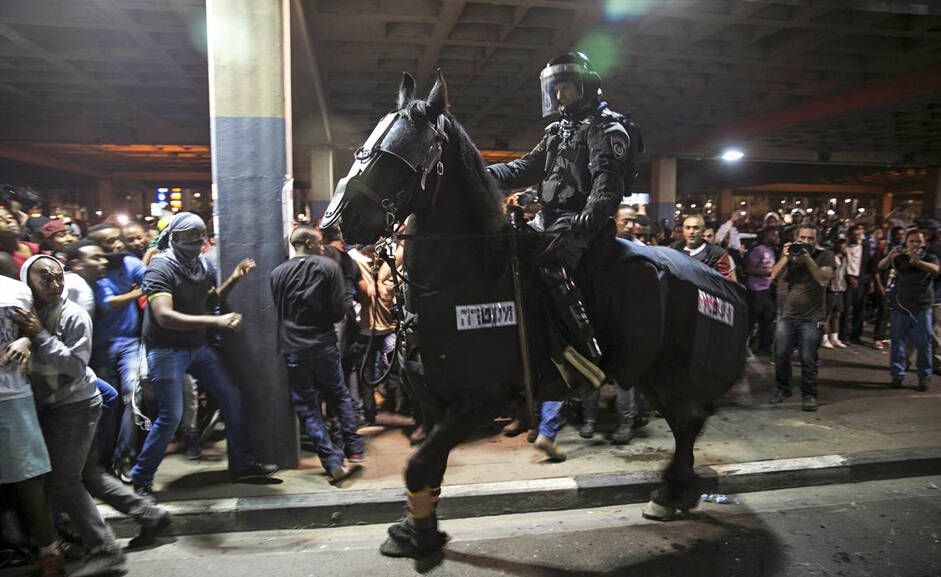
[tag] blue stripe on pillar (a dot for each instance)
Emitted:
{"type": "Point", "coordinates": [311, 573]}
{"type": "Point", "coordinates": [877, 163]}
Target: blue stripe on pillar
{"type": "Point", "coordinates": [248, 170]}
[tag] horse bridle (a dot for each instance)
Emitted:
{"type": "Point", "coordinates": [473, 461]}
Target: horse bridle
{"type": "Point", "coordinates": [396, 137]}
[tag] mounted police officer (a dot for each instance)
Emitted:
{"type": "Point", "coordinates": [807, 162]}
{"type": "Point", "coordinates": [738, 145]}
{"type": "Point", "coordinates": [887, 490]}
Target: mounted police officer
{"type": "Point", "coordinates": [584, 165]}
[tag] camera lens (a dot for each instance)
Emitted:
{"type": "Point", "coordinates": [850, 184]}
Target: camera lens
{"type": "Point", "coordinates": [795, 249]}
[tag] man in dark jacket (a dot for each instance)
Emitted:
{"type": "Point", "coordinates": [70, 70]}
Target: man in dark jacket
{"type": "Point", "coordinates": [308, 292]}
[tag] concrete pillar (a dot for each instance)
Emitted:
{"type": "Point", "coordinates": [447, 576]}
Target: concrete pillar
{"type": "Point", "coordinates": [105, 197]}
{"type": "Point", "coordinates": [662, 189]}
{"type": "Point", "coordinates": [321, 179]}
{"type": "Point", "coordinates": [249, 106]}
{"type": "Point", "coordinates": [931, 203]}
{"type": "Point", "coordinates": [886, 206]}
{"type": "Point", "coordinates": [725, 205]}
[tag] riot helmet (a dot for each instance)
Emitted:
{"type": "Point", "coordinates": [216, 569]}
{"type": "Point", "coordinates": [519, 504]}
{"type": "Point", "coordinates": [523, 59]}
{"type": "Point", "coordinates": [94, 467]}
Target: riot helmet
{"type": "Point", "coordinates": [571, 67]}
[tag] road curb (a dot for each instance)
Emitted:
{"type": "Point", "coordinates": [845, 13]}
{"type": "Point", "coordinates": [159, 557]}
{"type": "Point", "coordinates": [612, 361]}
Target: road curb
{"type": "Point", "coordinates": [350, 507]}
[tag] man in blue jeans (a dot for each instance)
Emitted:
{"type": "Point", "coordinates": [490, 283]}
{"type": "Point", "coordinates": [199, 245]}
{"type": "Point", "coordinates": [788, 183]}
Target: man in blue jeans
{"type": "Point", "coordinates": [116, 353]}
{"type": "Point", "coordinates": [910, 299]}
{"type": "Point", "coordinates": [803, 273]}
{"type": "Point", "coordinates": [308, 292]}
{"type": "Point", "coordinates": [178, 283]}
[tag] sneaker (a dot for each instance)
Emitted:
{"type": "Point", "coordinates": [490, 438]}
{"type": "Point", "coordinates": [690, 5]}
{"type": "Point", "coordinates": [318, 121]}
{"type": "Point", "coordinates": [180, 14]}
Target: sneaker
{"type": "Point", "coordinates": [531, 436]}
{"type": "Point", "coordinates": [880, 345]}
{"type": "Point", "coordinates": [514, 428]}
{"type": "Point", "coordinates": [356, 458]}
{"type": "Point", "coordinates": [838, 343]}
{"type": "Point", "coordinates": [51, 565]}
{"type": "Point", "coordinates": [101, 563]}
{"type": "Point", "coordinates": [145, 491]}
{"type": "Point", "coordinates": [778, 397]}
{"type": "Point", "coordinates": [122, 469]}
{"type": "Point", "coordinates": [825, 343]}
{"type": "Point", "coordinates": [809, 404]}
{"type": "Point", "coordinates": [191, 442]}
{"type": "Point", "coordinates": [587, 430]}
{"type": "Point", "coordinates": [254, 471]}
{"type": "Point", "coordinates": [148, 533]}
{"type": "Point", "coordinates": [923, 383]}
{"type": "Point", "coordinates": [337, 475]}
{"type": "Point", "coordinates": [548, 446]}
{"type": "Point", "coordinates": [896, 382]}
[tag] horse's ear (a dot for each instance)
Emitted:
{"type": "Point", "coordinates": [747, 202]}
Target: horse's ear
{"type": "Point", "coordinates": [438, 97]}
{"type": "Point", "coordinates": [406, 90]}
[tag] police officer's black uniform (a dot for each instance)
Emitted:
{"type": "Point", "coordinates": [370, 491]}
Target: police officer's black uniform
{"type": "Point", "coordinates": [584, 165]}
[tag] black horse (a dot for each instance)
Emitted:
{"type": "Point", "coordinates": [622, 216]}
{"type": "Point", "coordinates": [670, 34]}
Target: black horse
{"type": "Point", "coordinates": [419, 162]}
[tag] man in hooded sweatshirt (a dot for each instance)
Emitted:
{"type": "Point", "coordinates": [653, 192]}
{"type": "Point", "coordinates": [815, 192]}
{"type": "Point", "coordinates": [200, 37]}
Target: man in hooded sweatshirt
{"type": "Point", "coordinates": [69, 403]}
{"type": "Point", "coordinates": [178, 283]}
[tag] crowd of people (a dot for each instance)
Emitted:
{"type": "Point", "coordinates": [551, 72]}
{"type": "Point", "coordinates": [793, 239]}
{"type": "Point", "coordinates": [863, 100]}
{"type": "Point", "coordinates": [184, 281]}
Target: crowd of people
{"type": "Point", "coordinates": [817, 283]}
{"type": "Point", "coordinates": [89, 314]}
{"type": "Point", "coordinates": [109, 351]}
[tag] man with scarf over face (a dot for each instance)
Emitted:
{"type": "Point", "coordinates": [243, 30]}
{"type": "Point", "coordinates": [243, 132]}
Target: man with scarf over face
{"type": "Point", "coordinates": [178, 283]}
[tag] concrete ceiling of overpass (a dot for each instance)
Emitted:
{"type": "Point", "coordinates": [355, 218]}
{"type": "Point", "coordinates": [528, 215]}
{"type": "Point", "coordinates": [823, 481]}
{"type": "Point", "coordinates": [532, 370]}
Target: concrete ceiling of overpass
{"type": "Point", "coordinates": [700, 73]}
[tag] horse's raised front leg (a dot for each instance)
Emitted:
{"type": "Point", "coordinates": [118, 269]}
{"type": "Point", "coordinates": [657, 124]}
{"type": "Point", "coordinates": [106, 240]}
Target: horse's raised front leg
{"type": "Point", "coordinates": [680, 492]}
{"type": "Point", "coordinates": [417, 535]}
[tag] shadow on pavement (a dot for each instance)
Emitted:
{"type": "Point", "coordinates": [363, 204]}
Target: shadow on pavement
{"type": "Point", "coordinates": [702, 545]}
{"type": "Point", "coordinates": [210, 478]}
{"type": "Point", "coordinates": [855, 385]}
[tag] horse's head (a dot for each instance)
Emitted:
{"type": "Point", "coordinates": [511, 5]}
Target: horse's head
{"type": "Point", "coordinates": [392, 172]}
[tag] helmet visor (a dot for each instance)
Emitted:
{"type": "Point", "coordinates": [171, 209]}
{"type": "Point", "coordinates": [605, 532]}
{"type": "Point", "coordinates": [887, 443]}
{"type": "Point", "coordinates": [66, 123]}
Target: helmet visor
{"type": "Point", "coordinates": [552, 76]}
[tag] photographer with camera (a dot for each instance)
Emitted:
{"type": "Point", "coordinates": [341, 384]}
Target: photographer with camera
{"type": "Point", "coordinates": [803, 273]}
{"type": "Point", "coordinates": [911, 296]}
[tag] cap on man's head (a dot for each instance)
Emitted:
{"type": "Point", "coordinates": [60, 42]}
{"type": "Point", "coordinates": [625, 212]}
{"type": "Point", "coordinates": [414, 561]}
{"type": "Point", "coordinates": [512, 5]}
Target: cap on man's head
{"type": "Point", "coordinates": [52, 227]}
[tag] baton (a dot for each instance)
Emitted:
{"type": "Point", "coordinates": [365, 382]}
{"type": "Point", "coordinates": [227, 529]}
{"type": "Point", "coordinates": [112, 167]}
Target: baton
{"type": "Point", "coordinates": [521, 329]}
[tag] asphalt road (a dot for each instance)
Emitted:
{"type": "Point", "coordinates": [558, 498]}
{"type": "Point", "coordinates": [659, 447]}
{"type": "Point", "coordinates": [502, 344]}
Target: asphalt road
{"type": "Point", "coordinates": [882, 528]}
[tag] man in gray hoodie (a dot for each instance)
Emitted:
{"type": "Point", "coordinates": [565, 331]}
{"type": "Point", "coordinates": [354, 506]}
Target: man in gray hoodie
{"type": "Point", "coordinates": [69, 403]}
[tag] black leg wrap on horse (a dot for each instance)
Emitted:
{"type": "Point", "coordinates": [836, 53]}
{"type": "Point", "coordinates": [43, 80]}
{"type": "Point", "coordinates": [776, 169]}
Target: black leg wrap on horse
{"type": "Point", "coordinates": [679, 492]}
{"type": "Point", "coordinates": [414, 538]}
{"type": "Point", "coordinates": [568, 303]}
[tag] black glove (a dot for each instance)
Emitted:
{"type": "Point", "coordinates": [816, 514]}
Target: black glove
{"type": "Point", "coordinates": [586, 221]}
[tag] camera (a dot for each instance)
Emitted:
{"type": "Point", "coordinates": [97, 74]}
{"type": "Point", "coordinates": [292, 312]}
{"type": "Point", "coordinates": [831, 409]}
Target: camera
{"type": "Point", "coordinates": [796, 249]}
{"type": "Point", "coordinates": [24, 196]}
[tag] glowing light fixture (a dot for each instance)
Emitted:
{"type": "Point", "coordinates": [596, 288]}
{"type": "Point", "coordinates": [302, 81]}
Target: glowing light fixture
{"type": "Point", "coordinates": [123, 219]}
{"type": "Point", "coordinates": [732, 155]}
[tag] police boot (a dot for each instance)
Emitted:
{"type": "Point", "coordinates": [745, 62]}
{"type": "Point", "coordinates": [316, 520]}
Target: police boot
{"type": "Point", "coordinates": [568, 303]}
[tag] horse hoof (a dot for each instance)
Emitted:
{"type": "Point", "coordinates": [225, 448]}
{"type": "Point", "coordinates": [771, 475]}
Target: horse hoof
{"type": "Point", "coordinates": [404, 542]}
{"type": "Point", "coordinates": [392, 547]}
{"type": "Point", "coordinates": [657, 512]}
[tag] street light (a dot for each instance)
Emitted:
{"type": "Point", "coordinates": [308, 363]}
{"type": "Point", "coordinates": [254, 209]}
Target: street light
{"type": "Point", "coordinates": [732, 155]}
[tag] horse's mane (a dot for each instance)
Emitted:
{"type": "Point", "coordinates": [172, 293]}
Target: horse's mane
{"type": "Point", "coordinates": [485, 197]}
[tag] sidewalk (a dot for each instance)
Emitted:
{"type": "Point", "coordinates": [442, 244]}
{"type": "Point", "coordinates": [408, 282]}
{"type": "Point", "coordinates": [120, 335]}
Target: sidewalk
{"type": "Point", "coordinates": [858, 413]}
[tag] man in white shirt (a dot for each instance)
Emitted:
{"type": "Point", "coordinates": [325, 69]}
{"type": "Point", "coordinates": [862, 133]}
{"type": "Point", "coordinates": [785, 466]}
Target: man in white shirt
{"type": "Point", "coordinates": [86, 264]}
{"type": "Point", "coordinates": [857, 280]}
